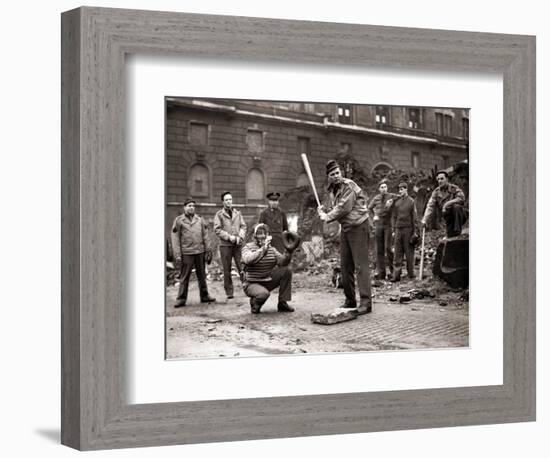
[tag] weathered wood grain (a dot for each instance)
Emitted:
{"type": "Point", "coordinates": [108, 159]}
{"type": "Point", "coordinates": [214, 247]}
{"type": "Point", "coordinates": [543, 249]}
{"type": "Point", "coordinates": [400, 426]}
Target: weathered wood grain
{"type": "Point", "coordinates": [95, 413]}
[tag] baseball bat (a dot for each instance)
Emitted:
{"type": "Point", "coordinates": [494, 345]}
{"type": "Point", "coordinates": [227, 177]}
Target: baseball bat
{"type": "Point", "coordinates": [310, 177]}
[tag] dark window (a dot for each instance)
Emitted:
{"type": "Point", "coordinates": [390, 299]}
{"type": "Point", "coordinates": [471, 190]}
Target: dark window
{"type": "Point", "coordinates": [344, 114]}
{"type": "Point", "coordinates": [415, 160]}
{"type": "Point", "coordinates": [447, 125]}
{"type": "Point", "coordinates": [439, 123]}
{"type": "Point", "coordinates": [414, 118]}
{"type": "Point", "coordinates": [466, 128]}
{"type": "Point", "coordinates": [445, 161]}
{"type": "Point", "coordinates": [198, 133]}
{"type": "Point", "coordinates": [255, 141]}
{"type": "Point", "coordinates": [382, 115]}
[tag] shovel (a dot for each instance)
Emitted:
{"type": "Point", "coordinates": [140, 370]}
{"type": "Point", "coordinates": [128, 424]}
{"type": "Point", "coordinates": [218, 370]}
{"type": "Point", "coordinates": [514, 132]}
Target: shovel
{"type": "Point", "coordinates": [420, 271]}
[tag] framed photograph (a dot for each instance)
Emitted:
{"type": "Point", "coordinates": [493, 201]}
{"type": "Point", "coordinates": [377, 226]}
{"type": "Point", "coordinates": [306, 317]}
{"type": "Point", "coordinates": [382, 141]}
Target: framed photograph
{"type": "Point", "coordinates": [140, 303]}
{"type": "Point", "coordinates": [259, 155]}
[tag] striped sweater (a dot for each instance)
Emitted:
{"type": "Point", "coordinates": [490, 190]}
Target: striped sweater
{"type": "Point", "coordinates": [260, 262]}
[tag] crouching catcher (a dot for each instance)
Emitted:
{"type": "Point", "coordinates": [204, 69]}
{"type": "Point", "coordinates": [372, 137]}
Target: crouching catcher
{"type": "Point", "coordinates": [266, 269]}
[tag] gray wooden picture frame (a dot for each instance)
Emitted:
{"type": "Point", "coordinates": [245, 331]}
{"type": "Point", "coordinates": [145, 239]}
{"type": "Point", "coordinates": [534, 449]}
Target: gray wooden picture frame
{"type": "Point", "coordinates": [95, 412]}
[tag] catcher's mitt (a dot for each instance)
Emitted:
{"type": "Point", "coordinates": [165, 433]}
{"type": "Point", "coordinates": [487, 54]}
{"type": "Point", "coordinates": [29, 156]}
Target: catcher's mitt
{"type": "Point", "coordinates": [291, 240]}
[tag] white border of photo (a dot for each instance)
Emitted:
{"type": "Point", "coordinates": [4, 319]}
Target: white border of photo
{"type": "Point", "coordinates": [152, 379]}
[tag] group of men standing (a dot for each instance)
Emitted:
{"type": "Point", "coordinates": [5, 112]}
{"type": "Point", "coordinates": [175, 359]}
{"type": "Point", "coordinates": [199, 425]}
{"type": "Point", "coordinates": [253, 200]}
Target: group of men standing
{"type": "Point", "coordinates": [262, 263]}
{"type": "Point", "coordinates": [397, 225]}
{"type": "Point", "coordinates": [394, 218]}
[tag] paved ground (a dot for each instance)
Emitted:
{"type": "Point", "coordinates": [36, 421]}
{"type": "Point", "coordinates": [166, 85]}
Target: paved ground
{"type": "Point", "coordinates": [227, 328]}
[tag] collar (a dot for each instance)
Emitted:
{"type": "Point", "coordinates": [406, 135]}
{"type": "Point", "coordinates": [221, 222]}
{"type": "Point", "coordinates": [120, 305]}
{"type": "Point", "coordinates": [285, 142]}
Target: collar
{"type": "Point", "coordinates": [233, 212]}
{"type": "Point", "coordinates": [186, 219]}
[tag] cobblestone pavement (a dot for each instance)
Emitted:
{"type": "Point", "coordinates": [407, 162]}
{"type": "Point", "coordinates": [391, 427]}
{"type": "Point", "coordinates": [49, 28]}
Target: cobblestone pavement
{"type": "Point", "coordinates": [227, 328]}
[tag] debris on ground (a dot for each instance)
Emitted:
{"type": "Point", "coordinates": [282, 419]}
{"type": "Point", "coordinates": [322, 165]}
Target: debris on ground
{"type": "Point", "coordinates": [420, 293]}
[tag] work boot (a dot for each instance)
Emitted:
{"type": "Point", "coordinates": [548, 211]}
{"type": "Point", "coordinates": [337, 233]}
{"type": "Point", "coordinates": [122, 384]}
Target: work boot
{"type": "Point", "coordinates": [349, 304]}
{"type": "Point", "coordinates": [282, 306]}
{"type": "Point", "coordinates": [364, 308]}
{"type": "Point", "coordinates": [208, 299]}
{"type": "Point", "coordinates": [179, 303]}
{"type": "Point", "coordinates": [254, 306]}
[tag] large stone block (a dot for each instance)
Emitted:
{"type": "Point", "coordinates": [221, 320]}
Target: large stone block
{"type": "Point", "coordinates": [335, 316]}
{"type": "Point", "coordinates": [452, 261]}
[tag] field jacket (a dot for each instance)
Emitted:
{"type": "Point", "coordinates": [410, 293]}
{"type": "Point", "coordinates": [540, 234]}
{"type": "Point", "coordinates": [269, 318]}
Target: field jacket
{"type": "Point", "coordinates": [226, 226]}
{"type": "Point", "coordinates": [348, 204]}
{"type": "Point", "coordinates": [377, 207]}
{"type": "Point", "coordinates": [452, 195]}
{"type": "Point", "coordinates": [189, 236]}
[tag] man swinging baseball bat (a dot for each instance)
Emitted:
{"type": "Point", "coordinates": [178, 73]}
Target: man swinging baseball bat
{"type": "Point", "coordinates": [348, 207]}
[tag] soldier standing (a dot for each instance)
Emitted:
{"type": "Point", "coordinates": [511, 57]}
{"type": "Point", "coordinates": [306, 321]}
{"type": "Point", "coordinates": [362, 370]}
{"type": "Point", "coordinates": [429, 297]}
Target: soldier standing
{"type": "Point", "coordinates": [404, 222]}
{"type": "Point", "coordinates": [230, 227]}
{"type": "Point", "coordinates": [191, 247]}
{"type": "Point", "coordinates": [349, 208]}
{"type": "Point", "coordinates": [380, 211]}
{"type": "Point", "coordinates": [275, 219]}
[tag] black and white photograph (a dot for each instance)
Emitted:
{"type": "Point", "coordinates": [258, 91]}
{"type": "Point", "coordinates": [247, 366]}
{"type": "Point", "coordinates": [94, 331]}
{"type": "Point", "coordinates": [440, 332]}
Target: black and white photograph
{"type": "Point", "coordinates": [275, 229]}
{"type": "Point", "coordinates": [296, 228]}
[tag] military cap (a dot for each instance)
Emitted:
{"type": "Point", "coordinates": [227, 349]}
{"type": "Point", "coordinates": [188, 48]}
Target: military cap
{"type": "Point", "coordinates": [188, 201]}
{"type": "Point", "coordinates": [403, 185]}
{"type": "Point", "coordinates": [331, 165]}
{"type": "Point", "coordinates": [273, 196]}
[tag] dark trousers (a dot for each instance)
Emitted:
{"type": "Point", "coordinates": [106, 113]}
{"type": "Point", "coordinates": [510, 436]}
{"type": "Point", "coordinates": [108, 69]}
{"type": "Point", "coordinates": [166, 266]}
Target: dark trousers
{"type": "Point", "coordinates": [383, 250]}
{"type": "Point", "coordinates": [227, 253]}
{"type": "Point", "coordinates": [402, 246]}
{"type": "Point", "coordinates": [354, 256]}
{"type": "Point", "coordinates": [454, 217]}
{"type": "Point", "coordinates": [281, 278]}
{"type": "Point", "coordinates": [188, 262]}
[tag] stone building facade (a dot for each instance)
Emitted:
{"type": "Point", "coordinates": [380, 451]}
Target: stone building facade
{"type": "Point", "coordinates": [251, 148]}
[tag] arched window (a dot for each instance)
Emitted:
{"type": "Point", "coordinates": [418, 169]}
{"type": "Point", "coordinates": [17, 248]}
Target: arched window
{"type": "Point", "coordinates": [382, 169]}
{"type": "Point", "coordinates": [199, 181]}
{"type": "Point", "coordinates": [255, 185]}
